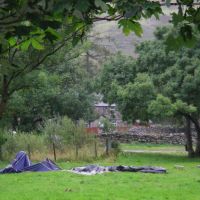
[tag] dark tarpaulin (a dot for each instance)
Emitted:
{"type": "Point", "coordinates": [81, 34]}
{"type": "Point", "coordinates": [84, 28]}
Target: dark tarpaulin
{"type": "Point", "coordinates": [96, 169]}
{"type": "Point", "coordinates": [21, 163]}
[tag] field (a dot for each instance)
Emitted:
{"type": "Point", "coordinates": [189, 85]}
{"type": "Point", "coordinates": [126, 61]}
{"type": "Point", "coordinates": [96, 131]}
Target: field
{"type": "Point", "coordinates": [177, 184]}
{"type": "Point", "coordinates": [152, 148]}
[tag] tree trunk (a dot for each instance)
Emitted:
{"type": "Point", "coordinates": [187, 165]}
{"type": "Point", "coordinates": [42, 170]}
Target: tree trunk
{"type": "Point", "coordinates": [4, 96]}
{"type": "Point", "coordinates": [197, 150]}
{"type": "Point", "coordinates": [108, 144]}
{"type": "Point", "coordinates": [188, 137]}
{"type": "Point", "coordinates": [2, 109]}
{"type": "Point", "coordinates": [95, 147]}
{"type": "Point", "coordinates": [197, 128]}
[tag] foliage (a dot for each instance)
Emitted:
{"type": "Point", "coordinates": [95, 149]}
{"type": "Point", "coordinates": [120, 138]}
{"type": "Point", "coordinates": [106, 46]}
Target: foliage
{"type": "Point", "coordinates": [36, 21]}
{"type": "Point", "coordinates": [39, 146]}
{"type": "Point", "coordinates": [24, 24]}
{"type": "Point", "coordinates": [33, 31]}
{"type": "Point", "coordinates": [62, 90]}
{"type": "Point", "coordinates": [63, 131]}
{"type": "Point", "coordinates": [115, 148]}
{"type": "Point", "coordinates": [3, 139]}
{"type": "Point", "coordinates": [176, 78]}
{"type": "Point", "coordinates": [173, 76]}
{"type": "Point", "coordinates": [106, 125]}
{"type": "Point", "coordinates": [31, 143]}
{"type": "Point", "coordinates": [36, 30]}
{"type": "Point", "coordinates": [53, 132]}
{"type": "Point", "coordinates": [118, 70]}
{"type": "Point", "coordinates": [166, 84]}
{"type": "Point", "coordinates": [135, 97]}
{"type": "Point", "coordinates": [161, 107]}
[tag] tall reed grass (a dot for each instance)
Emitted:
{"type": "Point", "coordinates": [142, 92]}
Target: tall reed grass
{"type": "Point", "coordinates": [38, 148]}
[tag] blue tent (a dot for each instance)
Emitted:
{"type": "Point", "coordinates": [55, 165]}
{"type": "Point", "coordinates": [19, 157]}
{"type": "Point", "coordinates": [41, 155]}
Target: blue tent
{"type": "Point", "coordinates": [21, 163]}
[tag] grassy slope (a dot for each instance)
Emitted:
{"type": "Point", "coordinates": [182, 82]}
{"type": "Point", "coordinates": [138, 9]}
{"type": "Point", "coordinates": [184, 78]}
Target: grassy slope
{"type": "Point", "coordinates": [152, 147]}
{"type": "Point", "coordinates": [176, 185]}
{"type": "Point", "coordinates": [114, 40]}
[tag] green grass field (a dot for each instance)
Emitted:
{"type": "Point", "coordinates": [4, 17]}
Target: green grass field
{"type": "Point", "coordinates": [177, 184]}
{"type": "Point", "coordinates": [165, 148]}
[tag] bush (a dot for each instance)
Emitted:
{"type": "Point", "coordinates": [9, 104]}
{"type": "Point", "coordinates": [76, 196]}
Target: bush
{"type": "Point", "coordinates": [62, 138]}
{"type": "Point", "coordinates": [115, 146]}
{"type": "Point", "coordinates": [63, 132]}
{"type": "Point", "coordinates": [29, 142]}
{"type": "Point", "coordinates": [3, 140]}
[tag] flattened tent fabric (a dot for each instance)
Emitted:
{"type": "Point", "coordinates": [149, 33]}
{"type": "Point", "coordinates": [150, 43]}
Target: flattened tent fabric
{"type": "Point", "coordinates": [96, 169]}
{"type": "Point", "coordinates": [45, 165]}
{"type": "Point", "coordinates": [22, 163]}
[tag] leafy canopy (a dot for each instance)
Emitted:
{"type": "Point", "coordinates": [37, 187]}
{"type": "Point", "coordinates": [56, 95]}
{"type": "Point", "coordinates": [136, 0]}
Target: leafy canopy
{"type": "Point", "coordinates": [162, 84]}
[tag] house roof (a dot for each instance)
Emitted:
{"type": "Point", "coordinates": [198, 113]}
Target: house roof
{"type": "Point", "coordinates": [102, 104]}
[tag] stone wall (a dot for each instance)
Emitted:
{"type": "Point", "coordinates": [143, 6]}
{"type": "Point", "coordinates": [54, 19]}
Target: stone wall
{"type": "Point", "coordinates": [156, 135]}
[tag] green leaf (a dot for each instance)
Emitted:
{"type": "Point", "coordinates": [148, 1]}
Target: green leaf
{"type": "Point", "coordinates": [111, 10]}
{"type": "Point", "coordinates": [25, 45]}
{"type": "Point", "coordinates": [101, 4]}
{"type": "Point", "coordinates": [129, 25]}
{"type": "Point", "coordinates": [54, 33]}
{"type": "Point", "coordinates": [173, 42]}
{"type": "Point", "coordinates": [136, 27]}
{"type": "Point", "coordinates": [177, 18]}
{"type": "Point", "coordinates": [36, 44]}
{"type": "Point", "coordinates": [12, 41]}
{"type": "Point", "coordinates": [82, 6]}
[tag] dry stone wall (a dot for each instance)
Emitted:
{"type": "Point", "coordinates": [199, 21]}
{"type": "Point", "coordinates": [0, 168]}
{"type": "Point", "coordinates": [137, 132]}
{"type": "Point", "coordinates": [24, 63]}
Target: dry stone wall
{"type": "Point", "coordinates": [155, 135]}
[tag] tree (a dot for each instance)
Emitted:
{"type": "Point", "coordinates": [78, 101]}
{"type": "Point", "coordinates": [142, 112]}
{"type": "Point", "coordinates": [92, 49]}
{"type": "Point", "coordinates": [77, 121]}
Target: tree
{"type": "Point", "coordinates": [177, 79]}
{"type": "Point", "coordinates": [168, 86]}
{"type": "Point", "coordinates": [35, 30]}
{"type": "Point", "coordinates": [52, 131]}
{"type": "Point", "coordinates": [54, 91]}
{"type": "Point", "coordinates": [133, 98]}
{"type": "Point", "coordinates": [118, 69]}
{"type": "Point", "coordinates": [29, 20]}
{"type": "Point", "coordinates": [107, 127]}
{"type": "Point", "coordinates": [163, 108]}
{"type": "Point", "coordinates": [64, 131]}
{"type": "Point", "coordinates": [46, 26]}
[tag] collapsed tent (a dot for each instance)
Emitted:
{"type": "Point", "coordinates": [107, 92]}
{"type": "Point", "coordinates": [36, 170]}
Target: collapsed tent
{"type": "Point", "coordinates": [22, 163]}
{"type": "Point", "coordinates": [96, 169]}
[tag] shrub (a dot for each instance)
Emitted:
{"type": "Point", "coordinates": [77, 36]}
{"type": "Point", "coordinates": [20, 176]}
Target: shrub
{"type": "Point", "coordinates": [29, 142]}
{"type": "Point", "coordinates": [62, 132]}
{"type": "Point", "coordinates": [115, 146]}
{"type": "Point", "coordinates": [3, 140]}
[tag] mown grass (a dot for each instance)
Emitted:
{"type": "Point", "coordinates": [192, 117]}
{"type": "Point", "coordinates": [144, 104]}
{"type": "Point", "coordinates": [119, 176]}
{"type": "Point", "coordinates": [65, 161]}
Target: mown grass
{"type": "Point", "coordinates": [177, 184]}
{"type": "Point", "coordinates": [152, 147]}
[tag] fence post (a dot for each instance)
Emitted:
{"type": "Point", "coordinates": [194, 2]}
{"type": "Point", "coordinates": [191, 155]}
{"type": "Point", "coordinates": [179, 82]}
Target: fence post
{"type": "Point", "coordinates": [95, 147]}
{"type": "Point", "coordinates": [108, 143]}
{"type": "Point", "coordinates": [107, 146]}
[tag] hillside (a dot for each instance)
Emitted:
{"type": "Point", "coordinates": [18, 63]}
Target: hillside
{"type": "Point", "coordinates": [114, 40]}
